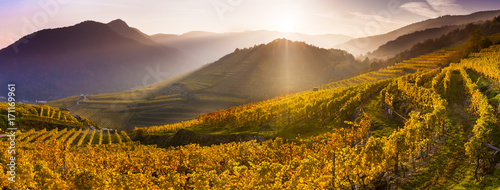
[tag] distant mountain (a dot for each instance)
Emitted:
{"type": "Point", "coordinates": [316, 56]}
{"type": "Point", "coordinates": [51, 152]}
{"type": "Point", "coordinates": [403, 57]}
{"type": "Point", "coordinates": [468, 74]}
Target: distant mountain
{"type": "Point", "coordinates": [89, 57]}
{"type": "Point", "coordinates": [208, 46]}
{"type": "Point", "coordinates": [245, 75]}
{"type": "Point", "coordinates": [367, 44]}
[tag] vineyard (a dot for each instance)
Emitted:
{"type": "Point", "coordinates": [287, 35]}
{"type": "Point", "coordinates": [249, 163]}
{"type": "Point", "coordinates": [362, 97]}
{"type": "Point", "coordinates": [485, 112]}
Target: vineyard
{"type": "Point", "coordinates": [73, 137]}
{"type": "Point", "coordinates": [424, 62]}
{"type": "Point", "coordinates": [446, 118]}
{"type": "Point", "coordinates": [42, 116]}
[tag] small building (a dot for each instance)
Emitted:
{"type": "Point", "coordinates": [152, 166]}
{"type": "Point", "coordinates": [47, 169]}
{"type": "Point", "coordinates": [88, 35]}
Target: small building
{"type": "Point", "coordinates": [40, 102]}
{"type": "Point", "coordinates": [84, 96]}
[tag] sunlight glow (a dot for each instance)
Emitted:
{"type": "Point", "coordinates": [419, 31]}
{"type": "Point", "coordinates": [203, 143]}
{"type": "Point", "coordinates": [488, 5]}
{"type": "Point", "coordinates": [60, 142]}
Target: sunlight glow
{"type": "Point", "coordinates": [287, 25]}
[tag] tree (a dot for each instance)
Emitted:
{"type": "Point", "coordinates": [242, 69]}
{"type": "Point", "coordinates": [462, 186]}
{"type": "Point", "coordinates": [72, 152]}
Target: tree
{"type": "Point", "coordinates": [476, 42]}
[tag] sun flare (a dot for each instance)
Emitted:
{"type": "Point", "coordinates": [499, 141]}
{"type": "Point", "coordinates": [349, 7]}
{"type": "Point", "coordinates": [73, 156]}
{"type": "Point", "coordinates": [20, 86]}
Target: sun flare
{"type": "Point", "coordinates": [287, 25]}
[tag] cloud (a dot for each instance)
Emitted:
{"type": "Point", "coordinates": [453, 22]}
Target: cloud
{"type": "Point", "coordinates": [447, 7]}
{"type": "Point", "coordinates": [361, 17]}
{"type": "Point", "coordinates": [420, 8]}
{"type": "Point", "coordinates": [434, 8]}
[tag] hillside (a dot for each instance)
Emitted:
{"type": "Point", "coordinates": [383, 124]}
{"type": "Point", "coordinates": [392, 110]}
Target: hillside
{"type": "Point", "coordinates": [363, 45]}
{"type": "Point", "coordinates": [37, 117]}
{"type": "Point", "coordinates": [406, 42]}
{"type": "Point", "coordinates": [209, 47]}
{"type": "Point", "coordinates": [246, 75]}
{"type": "Point", "coordinates": [429, 129]}
{"type": "Point", "coordinates": [334, 103]}
{"type": "Point", "coordinates": [86, 58]}
{"type": "Point", "coordinates": [273, 69]}
{"type": "Point", "coordinates": [432, 39]}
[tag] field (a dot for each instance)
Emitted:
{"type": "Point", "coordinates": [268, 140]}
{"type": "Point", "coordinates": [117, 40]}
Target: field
{"type": "Point", "coordinates": [42, 116]}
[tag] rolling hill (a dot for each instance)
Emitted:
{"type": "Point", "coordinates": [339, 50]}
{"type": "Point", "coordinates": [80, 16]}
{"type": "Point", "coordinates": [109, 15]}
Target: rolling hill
{"type": "Point", "coordinates": [246, 75]}
{"type": "Point", "coordinates": [89, 57]}
{"type": "Point", "coordinates": [363, 45]}
{"type": "Point", "coordinates": [209, 47]}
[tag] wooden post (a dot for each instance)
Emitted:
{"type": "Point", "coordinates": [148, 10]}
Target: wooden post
{"type": "Point", "coordinates": [333, 170]}
{"type": "Point", "coordinates": [396, 165]}
{"type": "Point", "coordinates": [477, 167]}
{"type": "Point", "coordinates": [492, 147]}
{"type": "Point", "coordinates": [413, 161]}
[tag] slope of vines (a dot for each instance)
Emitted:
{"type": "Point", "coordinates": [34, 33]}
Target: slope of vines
{"type": "Point", "coordinates": [346, 157]}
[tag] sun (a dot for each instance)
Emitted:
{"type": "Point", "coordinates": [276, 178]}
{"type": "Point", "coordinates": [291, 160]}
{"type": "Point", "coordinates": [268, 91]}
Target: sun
{"type": "Point", "coordinates": [287, 25]}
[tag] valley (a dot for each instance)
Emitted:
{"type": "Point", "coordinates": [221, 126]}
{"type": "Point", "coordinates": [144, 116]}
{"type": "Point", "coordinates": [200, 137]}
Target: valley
{"type": "Point", "coordinates": [247, 75]}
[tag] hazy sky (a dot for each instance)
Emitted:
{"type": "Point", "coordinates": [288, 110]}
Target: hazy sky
{"type": "Point", "coordinates": [355, 18]}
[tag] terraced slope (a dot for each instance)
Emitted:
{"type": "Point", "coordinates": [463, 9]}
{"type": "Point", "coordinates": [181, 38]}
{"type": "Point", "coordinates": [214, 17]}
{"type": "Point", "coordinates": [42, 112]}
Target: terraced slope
{"type": "Point", "coordinates": [421, 63]}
